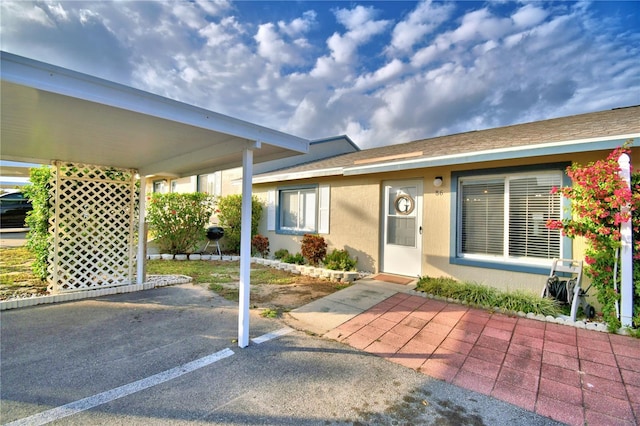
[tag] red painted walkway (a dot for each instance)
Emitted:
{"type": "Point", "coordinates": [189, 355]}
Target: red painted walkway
{"type": "Point", "coordinates": [571, 375]}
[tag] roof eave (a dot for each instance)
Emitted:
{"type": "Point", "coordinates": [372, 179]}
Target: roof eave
{"type": "Point", "coordinates": [335, 171]}
{"type": "Point", "coordinates": [551, 148]}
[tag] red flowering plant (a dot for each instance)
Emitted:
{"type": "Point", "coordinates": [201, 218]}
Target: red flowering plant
{"type": "Point", "coordinates": [260, 245]}
{"type": "Point", "coordinates": [314, 248]}
{"type": "Point", "coordinates": [178, 221]}
{"type": "Point", "coordinates": [599, 197]}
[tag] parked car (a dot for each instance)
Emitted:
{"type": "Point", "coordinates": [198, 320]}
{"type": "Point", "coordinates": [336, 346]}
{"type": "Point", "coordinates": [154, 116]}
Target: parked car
{"type": "Point", "coordinates": [14, 207]}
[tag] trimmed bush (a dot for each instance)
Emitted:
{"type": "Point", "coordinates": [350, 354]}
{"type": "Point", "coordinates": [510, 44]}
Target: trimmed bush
{"type": "Point", "coordinates": [339, 260]}
{"type": "Point", "coordinates": [178, 221]}
{"type": "Point", "coordinates": [296, 259]}
{"type": "Point", "coordinates": [281, 254]}
{"type": "Point", "coordinates": [229, 211]}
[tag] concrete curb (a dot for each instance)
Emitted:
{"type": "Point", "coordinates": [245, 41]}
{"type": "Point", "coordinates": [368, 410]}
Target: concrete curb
{"type": "Point", "coordinates": [153, 282]}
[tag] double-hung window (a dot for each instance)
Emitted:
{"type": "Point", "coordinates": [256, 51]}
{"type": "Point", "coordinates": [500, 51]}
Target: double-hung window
{"type": "Point", "coordinates": [210, 184]}
{"type": "Point", "coordinates": [299, 210]}
{"type": "Point", "coordinates": [502, 217]}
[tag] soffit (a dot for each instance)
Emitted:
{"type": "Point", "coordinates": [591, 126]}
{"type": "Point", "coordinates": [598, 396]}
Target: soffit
{"type": "Point", "coordinates": [51, 113]}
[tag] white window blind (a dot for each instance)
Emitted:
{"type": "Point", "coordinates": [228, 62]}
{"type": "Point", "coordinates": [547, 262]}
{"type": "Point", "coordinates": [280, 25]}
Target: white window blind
{"type": "Point", "coordinates": [483, 218]}
{"type": "Point", "coordinates": [506, 216]}
{"type": "Point", "coordinates": [530, 206]}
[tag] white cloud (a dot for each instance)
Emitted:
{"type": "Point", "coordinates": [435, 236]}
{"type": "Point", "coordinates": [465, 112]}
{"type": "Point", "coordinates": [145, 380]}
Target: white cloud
{"type": "Point", "coordinates": [361, 26]}
{"type": "Point", "coordinates": [188, 15]}
{"type": "Point", "coordinates": [529, 16]}
{"type": "Point", "coordinates": [423, 20]}
{"type": "Point", "coordinates": [298, 26]}
{"type": "Point", "coordinates": [431, 53]}
{"type": "Point", "coordinates": [273, 47]}
{"type": "Point", "coordinates": [58, 12]}
{"type": "Point", "coordinates": [215, 7]}
{"type": "Point", "coordinates": [480, 25]}
{"type": "Point", "coordinates": [435, 70]}
{"type": "Point", "coordinates": [220, 33]}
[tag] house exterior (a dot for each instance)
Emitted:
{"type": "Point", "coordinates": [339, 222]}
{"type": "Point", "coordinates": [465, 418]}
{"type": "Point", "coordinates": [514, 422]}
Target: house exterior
{"type": "Point", "coordinates": [472, 206]}
{"type": "Point", "coordinates": [227, 182]}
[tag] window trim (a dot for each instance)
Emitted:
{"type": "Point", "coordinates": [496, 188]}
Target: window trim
{"type": "Point", "coordinates": [502, 263]}
{"type": "Point", "coordinates": [288, 231]}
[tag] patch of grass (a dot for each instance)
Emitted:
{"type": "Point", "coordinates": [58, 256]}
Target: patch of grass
{"type": "Point", "coordinates": [272, 276]}
{"type": "Point", "coordinates": [341, 286]}
{"type": "Point", "coordinates": [16, 276]}
{"type": "Point", "coordinates": [270, 313]}
{"type": "Point", "coordinates": [483, 296]}
{"type": "Point", "coordinates": [200, 270]}
{"type": "Point", "coordinates": [232, 294]}
{"type": "Point", "coordinates": [206, 271]}
{"type": "Point", "coordinates": [11, 257]}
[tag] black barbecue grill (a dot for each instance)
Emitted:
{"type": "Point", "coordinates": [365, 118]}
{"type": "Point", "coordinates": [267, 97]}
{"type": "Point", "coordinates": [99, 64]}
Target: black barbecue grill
{"type": "Point", "coordinates": [214, 234]}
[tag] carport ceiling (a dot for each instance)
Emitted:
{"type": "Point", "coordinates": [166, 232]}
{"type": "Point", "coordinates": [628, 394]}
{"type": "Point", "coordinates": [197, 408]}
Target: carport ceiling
{"type": "Point", "coordinates": [51, 113]}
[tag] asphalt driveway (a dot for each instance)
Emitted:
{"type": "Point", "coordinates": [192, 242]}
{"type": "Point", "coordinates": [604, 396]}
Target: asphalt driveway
{"type": "Point", "coordinates": [168, 356]}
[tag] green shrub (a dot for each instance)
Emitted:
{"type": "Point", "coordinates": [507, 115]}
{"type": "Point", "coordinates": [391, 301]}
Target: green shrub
{"type": "Point", "coordinates": [229, 210]}
{"type": "Point", "coordinates": [339, 260]}
{"type": "Point", "coordinates": [260, 244]}
{"type": "Point", "coordinates": [38, 218]}
{"type": "Point", "coordinates": [297, 259]}
{"type": "Point", "coordinates": [484, 296]}
{"type": "Point", "coordinates": [178, 221]}
{"type": "Point", "coordinates": [314, 248]}
{"type": "Point", "coordinates": [281, 254]}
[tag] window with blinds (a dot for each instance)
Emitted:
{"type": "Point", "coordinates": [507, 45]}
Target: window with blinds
{"type": "Point", "coordinates": [483, 218]}
{"type": "Point", "coordinates": [506, 216]}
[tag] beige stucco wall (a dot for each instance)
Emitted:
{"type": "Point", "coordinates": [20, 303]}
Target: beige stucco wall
{"type": "Point", "coordinates": [355, 220]}
{"type": "Point", "coordinates": [231, 181]}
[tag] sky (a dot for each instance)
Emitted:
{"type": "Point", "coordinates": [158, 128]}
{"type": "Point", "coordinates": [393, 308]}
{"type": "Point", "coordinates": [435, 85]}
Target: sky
{"type": "Point", "coordinates": [381, 72]}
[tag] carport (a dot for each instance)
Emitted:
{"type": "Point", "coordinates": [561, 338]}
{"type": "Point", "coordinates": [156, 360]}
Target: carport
{"type": "Point", "coordinates": [51, 114]}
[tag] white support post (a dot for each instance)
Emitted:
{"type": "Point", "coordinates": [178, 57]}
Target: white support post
{"type": "Point", "coordinates": [142, 237]}
{"type": "Point", "coordinates": [626, 253]}
{"type": "Point", "coordinates": [245, 249]}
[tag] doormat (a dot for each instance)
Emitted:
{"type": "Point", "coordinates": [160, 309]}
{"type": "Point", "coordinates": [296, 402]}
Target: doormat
{"type": "Point", "coordinates": [395, 279]}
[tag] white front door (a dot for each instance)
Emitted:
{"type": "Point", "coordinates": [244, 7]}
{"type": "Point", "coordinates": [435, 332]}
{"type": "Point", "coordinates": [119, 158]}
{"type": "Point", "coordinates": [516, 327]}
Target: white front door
{"type": "Point", "coordinates": [402, 234]}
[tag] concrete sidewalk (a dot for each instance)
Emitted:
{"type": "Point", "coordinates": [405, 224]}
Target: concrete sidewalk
{"type": "Point", "coordinates": [571, 375]}
{"type": "Point", "coordinates": [323, 315]}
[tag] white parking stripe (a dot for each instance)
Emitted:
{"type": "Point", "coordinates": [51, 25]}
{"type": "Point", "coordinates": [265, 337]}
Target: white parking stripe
{"type": "Point", "coordinates": [272, 335]}
{"type": "Point", "coordinates": [113, 394]}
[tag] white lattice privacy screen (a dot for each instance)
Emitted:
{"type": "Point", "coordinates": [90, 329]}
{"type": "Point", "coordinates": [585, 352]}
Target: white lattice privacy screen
{"type": "Point", "coordinates": [93, 227]}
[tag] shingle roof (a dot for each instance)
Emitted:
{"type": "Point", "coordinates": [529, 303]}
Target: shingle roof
{"type": "Point", "coordinates": [565, 130]}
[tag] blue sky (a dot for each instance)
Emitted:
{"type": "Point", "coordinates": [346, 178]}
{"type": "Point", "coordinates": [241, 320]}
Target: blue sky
{"type": "Point", "coordinates": [382, 72]}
